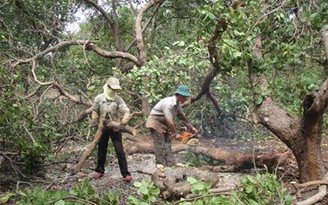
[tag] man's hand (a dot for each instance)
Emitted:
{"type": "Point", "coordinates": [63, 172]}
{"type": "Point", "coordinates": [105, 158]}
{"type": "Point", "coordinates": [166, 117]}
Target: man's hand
{"type": "Point", "coordinates": [124, 122]}
{"type": "Point", "coordinates": [94, 119]}
{"type": "Point", "coordinates": [94, 123]}
{"type": "Point", "coordinates": [178, 136]}
{"type": "Point", "coordinates": [195, 130]}
{"type": "Point", "coordinates": [125, 119]}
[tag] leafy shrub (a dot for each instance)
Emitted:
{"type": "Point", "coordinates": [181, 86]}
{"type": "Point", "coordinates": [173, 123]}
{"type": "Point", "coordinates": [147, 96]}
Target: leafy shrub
{"type": "Point", "coordinates": [81, 194]}
{"type": "Point", "coordinates": [264, 190]}
{"type": "Point", "coordinates": [148, 191]}
{"type": "Point", "coordinates": [258, 190]}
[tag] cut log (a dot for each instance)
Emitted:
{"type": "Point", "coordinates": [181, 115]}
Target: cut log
{"type": "Point", "coordinates": [232, 159]}
{"type": "Point", "coordinates": [101, 127]}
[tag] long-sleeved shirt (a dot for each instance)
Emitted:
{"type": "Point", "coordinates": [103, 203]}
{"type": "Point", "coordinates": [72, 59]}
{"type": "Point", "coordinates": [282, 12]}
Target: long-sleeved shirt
{"type": "Point", "coordinates": [161, 117]}
{"type": "Point", "coordinates": [115, 109]}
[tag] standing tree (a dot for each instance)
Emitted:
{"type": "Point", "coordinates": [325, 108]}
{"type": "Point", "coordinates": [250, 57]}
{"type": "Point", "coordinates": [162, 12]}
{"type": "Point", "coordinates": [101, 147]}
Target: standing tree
{"type": "Point", "coordinates": [274, 29]}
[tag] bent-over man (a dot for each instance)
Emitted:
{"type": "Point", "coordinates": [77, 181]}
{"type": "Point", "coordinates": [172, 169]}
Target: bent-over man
{"type": "Point", "coordinates": [162, 126]}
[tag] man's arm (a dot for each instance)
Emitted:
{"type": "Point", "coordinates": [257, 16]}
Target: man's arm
{"type": "Point", "coordinates": [125, 111]}
{"type": "Point", "coordinates": [181, 116]}
{"type": "Point", "coordinates": [95, 112]}
{"type": "Point", "coordinates": [167, 111]}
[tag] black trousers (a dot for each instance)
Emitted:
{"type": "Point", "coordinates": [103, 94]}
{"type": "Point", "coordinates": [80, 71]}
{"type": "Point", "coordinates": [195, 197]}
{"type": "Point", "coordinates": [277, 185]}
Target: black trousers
{"type": "Point", "coordinates": [116, 138]}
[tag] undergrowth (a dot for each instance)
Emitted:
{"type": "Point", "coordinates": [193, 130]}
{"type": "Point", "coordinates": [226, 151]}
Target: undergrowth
{"type": "Point", "coordinates": [261, 189]}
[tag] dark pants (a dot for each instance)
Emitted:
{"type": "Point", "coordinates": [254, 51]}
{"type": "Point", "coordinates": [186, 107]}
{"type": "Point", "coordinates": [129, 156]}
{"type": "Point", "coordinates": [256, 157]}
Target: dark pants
{"type": "Point", "coordinates": [162, 148]}
{"type": "Point", "coordinates": [118, 146]}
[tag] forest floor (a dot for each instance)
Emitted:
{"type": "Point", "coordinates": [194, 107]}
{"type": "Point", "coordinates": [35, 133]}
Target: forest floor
{"type": "Point", "coordinates": [58, 176]}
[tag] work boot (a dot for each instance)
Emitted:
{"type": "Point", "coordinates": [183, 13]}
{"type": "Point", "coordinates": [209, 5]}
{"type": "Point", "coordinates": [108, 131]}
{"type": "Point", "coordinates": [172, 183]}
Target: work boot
{"type": "Point", "coordinates": [97, 175]}
{"type": "Point", "coordinates": [160, 160]}
{"type": "Point", "coordinates": [128, 178]}
{"type": "Point", "coordinates": [170, 162]}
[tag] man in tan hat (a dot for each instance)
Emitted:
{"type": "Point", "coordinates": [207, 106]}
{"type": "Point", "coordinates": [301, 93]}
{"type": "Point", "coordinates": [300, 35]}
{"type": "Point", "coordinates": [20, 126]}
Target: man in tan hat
{"type": "Point", "coordinates": [162, 126]}
{"type": "Point", "coordinates": [108, 105]}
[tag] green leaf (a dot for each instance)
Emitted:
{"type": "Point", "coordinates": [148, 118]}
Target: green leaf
{"type": "Point", "coordinates": [155, 191]}
{"type": "Point", "coordinates": [60, 202]}
{"type": "Point", "coordinates": [6, 198]}
{"type": "Point", "coordinates": [198, 186]}
{"type": "Point", "coordinates": [152, 199]}
{"type": "Point", "coordinates": [249, 189]}
{"type": "Point", "coordinates": [72, 192]}
{"type": "Point", "coordinates": [133, 199]}
{"type": "Point", "coordinates": [143, 190]}
{"type": "Point", "coordinates": [137, 184]}
{"type": "Point", "coordinates": [237, 54]}
{"type": "Point", "coordinates": [258, 100]}
{"type": "Point", "coordinates": [191, 180]}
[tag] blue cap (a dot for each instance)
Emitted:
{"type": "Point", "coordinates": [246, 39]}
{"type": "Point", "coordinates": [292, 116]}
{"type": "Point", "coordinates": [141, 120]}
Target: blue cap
{"type": "Point", "coordinates": [183, 90]}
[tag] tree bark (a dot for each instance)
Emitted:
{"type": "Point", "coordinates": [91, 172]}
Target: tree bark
{"type": "Point", "coordinates": [301, 135]}
{"type": "Point", "coordinates": [214, 59]}
{"type": "Point", "coordinates": [233, 161]}
{"type": "Point", "coordinates": [325, 40]}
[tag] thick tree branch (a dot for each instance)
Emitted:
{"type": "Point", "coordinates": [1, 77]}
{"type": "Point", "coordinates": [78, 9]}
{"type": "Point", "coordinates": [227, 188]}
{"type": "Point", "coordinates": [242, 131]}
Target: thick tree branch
{"type": "Point", "coordinates": [102, 11]}
{"type": "Point", "coordinates": [301, 135]}
{"type": "Point", "coordinates": [146, 25]}
{"type": "Point", "coordinates": [88, 45]}
{"type": "Point", "coordinates": [6, 3]}
{"type": "Point", "coordinates": [325, 40]}
{"type": "Point", "coordinates": [113, 24]}
{"type": "Point", "coordinates": [139, 31]}
{"type": "Point", "coordinates": [115, 54]}
{"type": "Point", "coordinates": [214, 59]}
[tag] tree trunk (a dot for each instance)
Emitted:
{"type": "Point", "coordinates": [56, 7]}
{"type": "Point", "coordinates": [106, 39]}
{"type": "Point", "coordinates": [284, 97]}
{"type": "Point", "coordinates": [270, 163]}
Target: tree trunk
{"type": "Point", "coordinates": [325, 40]}
{"type": "Point", "coordinates": [233, 161]}
{"type": "Point", "coordinates": [302, 136]}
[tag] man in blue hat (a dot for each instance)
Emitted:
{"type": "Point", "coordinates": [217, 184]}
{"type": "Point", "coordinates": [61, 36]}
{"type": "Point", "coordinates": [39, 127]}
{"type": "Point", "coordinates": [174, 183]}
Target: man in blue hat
{"type": "Point", "coordinates": [162, 126]}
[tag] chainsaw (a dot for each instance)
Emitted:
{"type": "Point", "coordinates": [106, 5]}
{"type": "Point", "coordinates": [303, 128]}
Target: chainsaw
{"type": "Point", "coordinates": [186, 138]}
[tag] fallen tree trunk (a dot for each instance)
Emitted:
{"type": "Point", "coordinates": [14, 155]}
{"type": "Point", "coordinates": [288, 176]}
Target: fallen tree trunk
{"type": "Point", "coordinates": [101, 127]}
{"type": "Point", "coordinates": [235, 160]}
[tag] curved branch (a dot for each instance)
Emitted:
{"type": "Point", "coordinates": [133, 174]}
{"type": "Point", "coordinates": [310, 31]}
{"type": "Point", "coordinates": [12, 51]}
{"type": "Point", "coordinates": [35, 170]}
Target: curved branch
{"type": "Point", "coordinates": [6, 3]}
{"type": "Point", "coordinates": [322, 192]}
{"type": "Point", "coordinates": [35, 77]}
{"type": "Point", "coordinates": [214, 59]}
{"type": "Point", "coordinates": [139, 31]}
{"type": "Point", "coordinates": [115, 54]}
{"type": "Point", "coordinates": [102, 11]}
{"type": "Point", "coordinates": [88, 46]}
{"type": "Point", "coordinates": [112, 24]}
{"type": "Point", "coordinates": [49, 50]}
{"type": "Point", "coordinates": [146, 26]}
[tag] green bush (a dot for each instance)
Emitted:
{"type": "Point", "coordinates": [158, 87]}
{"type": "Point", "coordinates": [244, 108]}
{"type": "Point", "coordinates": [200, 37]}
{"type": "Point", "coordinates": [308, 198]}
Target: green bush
{"type": "Point", "coordinates": [263, 189]}
{"type": "Point", "coordinates": [81, 194]}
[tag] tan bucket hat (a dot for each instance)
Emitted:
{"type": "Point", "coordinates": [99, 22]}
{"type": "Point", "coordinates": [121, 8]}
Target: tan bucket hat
{"type": "Point", "coordinates": [114, 83]}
